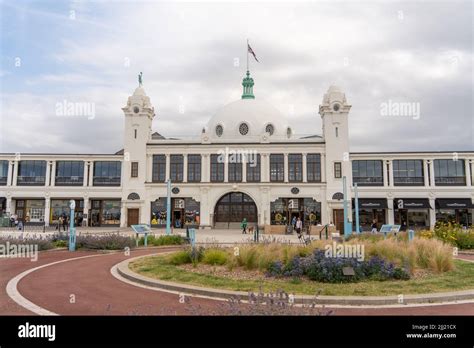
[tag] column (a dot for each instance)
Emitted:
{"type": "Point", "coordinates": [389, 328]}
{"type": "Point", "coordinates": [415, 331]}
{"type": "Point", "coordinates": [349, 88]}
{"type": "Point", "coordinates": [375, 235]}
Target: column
{"type": "Point", "coordinates": [286, 168]}
{"type": "Point", "coordinates": [10, 173]}
{"type": "Point", "coordinates": [244, 167]}
{"type": "Point", "coordinates": [168, 167]}
{"type": "Point", "coordinates": [390, 212]}
{"type": "Point", "coordinates": [432, 174]}
{"type": "Point", "coordinates": [226, 168]}
{"type": "Point", "coordinates": [149, 168]}
{"type": "Point", "coordinates": [432, 213]}
{"type": "Point", "coordinates": [47, 201]}
{"type": "Point", "coordinates": [324, 211]}
{"type": "Point", "coordinates": [425, 173]}
{"type": "Point", "coordinates": [86, 211]}
{"type": "Point", "coordinates": [145, 212]}
{"type": "Point", "coordinates": [390, 172]}
{"type": "Point", "coordinates": [305, 176]}
{"type": "Point", "coordinates": [123, 215]}
{"type": "Point", "coordinates": [91, 173]}
{"type": "Point", "coordinates": [9, 205]}
{"type": "Point", "coordinates": [265, 167]}
{"type": "Point", "coordinates": [185, 168]}
{"type": "Point", "coordinates": [385, 165]}
{"type": "Point", "coordinates": [48, 173]}
{"type": "Point", "coordinates": [468, 173]}
{"type": "Point", "coordinates": [53, 174]}
{"type": "Point", "coordinates": [86, 171]}
{"type": "Point", "coordinates": [15, 173]}
{"type": "Point", "coordinates": [323, 167]}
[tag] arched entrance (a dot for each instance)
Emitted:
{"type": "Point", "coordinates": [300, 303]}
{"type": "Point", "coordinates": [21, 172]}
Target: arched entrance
{"type": "Point", "coordinates": [232, 208]}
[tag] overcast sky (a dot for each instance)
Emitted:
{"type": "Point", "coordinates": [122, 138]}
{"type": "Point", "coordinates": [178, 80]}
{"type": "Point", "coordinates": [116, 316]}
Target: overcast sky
{"type": "Point", "coordinates": [78, 51]}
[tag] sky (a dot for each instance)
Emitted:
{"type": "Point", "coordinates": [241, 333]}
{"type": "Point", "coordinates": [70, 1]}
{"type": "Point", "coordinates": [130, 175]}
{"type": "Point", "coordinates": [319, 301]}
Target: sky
{"type": "Point", "coordinates": [192, 55]}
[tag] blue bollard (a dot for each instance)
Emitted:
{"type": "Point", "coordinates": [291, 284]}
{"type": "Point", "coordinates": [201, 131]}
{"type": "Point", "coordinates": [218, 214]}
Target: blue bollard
{"type": "Point", "coordinates": [411, 235]}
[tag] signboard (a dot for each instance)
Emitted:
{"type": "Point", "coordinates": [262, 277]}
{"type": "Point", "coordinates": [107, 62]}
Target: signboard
{"type": "Point", "coordinates": [141, 228]}
{"type": "Point", "coordinates": [390, 228]}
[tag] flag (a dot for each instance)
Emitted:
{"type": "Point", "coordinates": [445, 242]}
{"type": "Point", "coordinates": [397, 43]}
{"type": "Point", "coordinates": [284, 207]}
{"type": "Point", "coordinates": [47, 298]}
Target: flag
{"type": "Point", "coordinates": [250, 50]}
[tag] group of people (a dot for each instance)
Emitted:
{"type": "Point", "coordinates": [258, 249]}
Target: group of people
{"type": "Point", "coordinates": [63, 221]}
{"type": "Point", "coordinates": [15, 222]}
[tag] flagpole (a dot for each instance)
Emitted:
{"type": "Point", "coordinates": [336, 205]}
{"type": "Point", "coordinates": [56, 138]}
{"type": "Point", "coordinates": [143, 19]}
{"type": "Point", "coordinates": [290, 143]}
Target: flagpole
{"type": "Point", "coordinates": [247, 54]}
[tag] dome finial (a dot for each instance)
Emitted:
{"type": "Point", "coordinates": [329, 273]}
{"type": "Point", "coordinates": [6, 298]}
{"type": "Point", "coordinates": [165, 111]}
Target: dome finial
{"type": "Point", "coordinates": [248, 83]}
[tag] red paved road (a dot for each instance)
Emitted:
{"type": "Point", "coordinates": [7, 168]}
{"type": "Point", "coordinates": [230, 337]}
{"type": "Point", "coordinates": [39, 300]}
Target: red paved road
{"type": "Point", "coordinates": [97, 292]}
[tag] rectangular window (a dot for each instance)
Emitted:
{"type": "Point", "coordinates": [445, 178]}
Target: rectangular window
{"type": "Point", "coordinates": [159, 168]}
{"type": "Point", "coordinates": [235, 168]}
{"type": "Point", "coordinates": [337, 170]}
{"type": "Point", "coordinates": [217, 169]}
{"type": "Point", "coordinates": [277, 167]}
{"type": "Point", "coordinates": [295, 167]}
{"type": "Point", "coordinates": [449, 173]}
{"type": "Point", "coordinates": [3, 172]}
{"type": "Point", "coordinates": [408, 173]}
{"type": "Point", "coordinates": [134, 170]}
{"type": "Point", "coordinates": [253, 168]}
{"type": "Point", "coordinates": [367, 172]}
{"type": "Point", "coordinates": [107, 173]}
{"type": "Point", "coordinates": [176, 168]}
{"type": "Point", "coordinates": [194, 168]}
{"type": "Point", "coordinates": [69, 173]}
{"type": "Point", "coordinates": [31, 173]}
{"type": "Point", "coordinates": [313, 167]}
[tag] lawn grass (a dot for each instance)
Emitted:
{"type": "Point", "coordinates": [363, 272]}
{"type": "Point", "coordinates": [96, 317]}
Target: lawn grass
{"type": "Point", "coordinates": [461, 278]}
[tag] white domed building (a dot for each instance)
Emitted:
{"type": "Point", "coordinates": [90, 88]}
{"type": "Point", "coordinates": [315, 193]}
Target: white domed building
{"type": "Point", "coordinates": [247, 163]}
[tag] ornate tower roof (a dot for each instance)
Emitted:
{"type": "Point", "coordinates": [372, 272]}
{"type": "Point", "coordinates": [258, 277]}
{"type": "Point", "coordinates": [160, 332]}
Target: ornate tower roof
{"type": "Point", "coordinates": [248, 83]}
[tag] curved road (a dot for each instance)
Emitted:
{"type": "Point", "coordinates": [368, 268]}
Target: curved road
{"type": "Point", "coordinates": [96, 291]}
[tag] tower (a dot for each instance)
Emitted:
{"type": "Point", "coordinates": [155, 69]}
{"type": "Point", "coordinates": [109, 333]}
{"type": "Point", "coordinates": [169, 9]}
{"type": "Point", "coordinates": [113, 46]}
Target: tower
{"type": "Point", "coordinates": [139, 114]}
{"type": "Point", "coordinates": [334, 112]}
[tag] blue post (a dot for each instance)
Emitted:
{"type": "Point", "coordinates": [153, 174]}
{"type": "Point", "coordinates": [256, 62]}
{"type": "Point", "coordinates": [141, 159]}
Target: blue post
{"type": "Point", "coordinates": [168, 208]}
{"type": "Point", "coordinates": [72, 228]}
{"type": "Point", "coordinates": [356, 192]}
{"type": "Point", "coordinates": [411, 235]}
{"type": "Point", "coordinates": [347, 228]}
{"type": "Point", "coordinates": [192, 236]}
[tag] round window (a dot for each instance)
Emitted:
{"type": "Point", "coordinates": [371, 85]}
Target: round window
{"type": "Point", "coordinates": [136, 109]}
{"type": "Point", "coordinates": [336, 107]}
{"type": "Point", "coordinates": [219, 130]}
{"type": "Point", "coordinates": [270, 129]}
{"type": "Point", "coordinates": [243, 128]}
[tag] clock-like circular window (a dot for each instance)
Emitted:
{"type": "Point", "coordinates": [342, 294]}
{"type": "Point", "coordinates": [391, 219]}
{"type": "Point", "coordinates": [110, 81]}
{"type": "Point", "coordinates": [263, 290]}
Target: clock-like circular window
{"type": "Point", "coordinates": [243, 128]}
{"type": "Point", "coordinates": [136, 109]}
{"type": "Point", "coordinates": [270, 129]}
{"type": "Point", "coordinates": [336, 107]}
{"type": "Point", "coordinates": [219, 130]}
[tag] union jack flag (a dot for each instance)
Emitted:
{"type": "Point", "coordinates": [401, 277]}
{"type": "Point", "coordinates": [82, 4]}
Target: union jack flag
{"type": "Point", "coordinates": [252, 52]}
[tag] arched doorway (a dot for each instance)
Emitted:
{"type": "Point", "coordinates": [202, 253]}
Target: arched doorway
{"type": "Point", "coordinates": [232, 208]}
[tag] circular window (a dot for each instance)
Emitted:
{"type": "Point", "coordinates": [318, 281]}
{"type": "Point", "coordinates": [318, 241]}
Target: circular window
{"type": "Point", "coordinates": [270, 129]}
{"type": "Point", "coordinates": [336, 107]}
{"type": "Point", "coordinates": [243, 128]}
{"type": "Point", "coordinates": [175, 190]}
{"type": "Point", "coordinates": [295, 190]}
{"type": "Point", "coordinates": [136, 109]}
{"type": "Point", "coordinates": [219, 130]}
{"type": "Point", "coordinates": [288, 132]}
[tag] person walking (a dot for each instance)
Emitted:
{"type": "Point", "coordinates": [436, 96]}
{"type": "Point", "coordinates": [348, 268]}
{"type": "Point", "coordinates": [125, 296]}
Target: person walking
{"type": "Point", "coordinates": [243, 226]}
{"type": "Point", "coordinates": [64, 222]}
{"type": "Point", "coordinates": [374, 226]}
{"type": "Point", "coordinates": [299, 226]}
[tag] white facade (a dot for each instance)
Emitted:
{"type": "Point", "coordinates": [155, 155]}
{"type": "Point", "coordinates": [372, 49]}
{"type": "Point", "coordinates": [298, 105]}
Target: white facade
{"type": "Point", "coordinates": [245, 125]}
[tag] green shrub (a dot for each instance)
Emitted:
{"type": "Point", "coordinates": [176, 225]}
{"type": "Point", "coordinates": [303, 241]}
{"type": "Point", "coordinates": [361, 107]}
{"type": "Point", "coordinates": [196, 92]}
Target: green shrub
{"type": "Point", "coordinates": [214, 257]}
{"type": "Point", "coordinates": [465, 239]}
{"type": "Point", "coordinates": [60, 243]}
{"type": "Point", "coordinates": [180, 257]}
{"type": "Point", "coordinates": [111, 241]}
{"type": "Point", "coordinates": [162, 240]}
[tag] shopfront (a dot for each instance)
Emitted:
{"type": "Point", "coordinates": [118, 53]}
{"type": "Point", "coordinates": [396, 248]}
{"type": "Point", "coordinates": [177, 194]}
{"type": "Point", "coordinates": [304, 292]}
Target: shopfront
{"type": "Point", "coordinates": [412, 213]}
{"type": "Point", "coordinates": [370, 209]}
{"type": "Point", "coordinates": [60, 207]}
{"type": "Point", "coordinates": [105, 212]}
{"type": "Point", "coordinates": [283, 210]}
{"type": "Point", "coordinates": [184, 212]}
{"type": "Point", "coordinates": [455, 210]}
{"type": "Point", "coordinates": [30, 210]}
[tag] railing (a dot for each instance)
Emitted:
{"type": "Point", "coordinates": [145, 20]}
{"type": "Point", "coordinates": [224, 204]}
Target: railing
{"type": "Point", "coordinates": [368, 180]}
{"type": "Point", "coordinates": [3, 180]}
{"type": "Point", "coordinates": [106, 181]}
{"type": "Point", "coordinates": [69, 181]}
{"type": "Point", "coordinates": [31, 180]}
{"type": "Point", "coordinates": [409, 181]}
{"type": "Point", "coordinates": [450, 181]}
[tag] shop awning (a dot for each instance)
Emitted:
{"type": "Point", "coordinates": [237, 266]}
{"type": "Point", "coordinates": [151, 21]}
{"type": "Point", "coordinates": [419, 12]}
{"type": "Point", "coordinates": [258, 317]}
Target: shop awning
{"type": "Point", "coordinates": [371, 203]}
{"type": "Point", "coordinates": [411, 203]}
{"type": "Point", "coordinates": [454, 203]}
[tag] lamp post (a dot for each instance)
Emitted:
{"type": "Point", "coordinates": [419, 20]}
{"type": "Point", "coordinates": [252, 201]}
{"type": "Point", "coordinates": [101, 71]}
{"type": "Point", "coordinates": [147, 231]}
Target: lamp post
{"type": "Point", "coordinates": [347, 227]}
{"type": "Point", "coordinates": [72, 228]}
{"type": "Point", "coordinates": [356, 192]}
{"type": "Point", "coordinates": [168, 208]}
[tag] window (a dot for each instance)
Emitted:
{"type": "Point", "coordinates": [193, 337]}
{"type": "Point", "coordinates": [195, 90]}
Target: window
{"type": "Point", "coordinates": [337, 170]}
{"type": "Point", "coordinates": [159, 168]}
{"type": "Point", "coordinates": [32, 173]}
{"type": "Point", "coordinates": [3, 172]}
{"type": "Point", "coordinates": [69, 173]}
{"type": "Point", "coordinates": [217, 169]}
{"type": "Point", "coordinates": [253, 168]}
{"type": "Point", "coordinates": [313, 167]}
{"type": "Point", "coordinates": [295, 167]}
{"type": "Point", "coordinates": [337, 132]}
{"type": "Point", "coordinates": [235, 168]}
{"type": "Point", "coordinates": [408, 173]}
{"type": "Point", "coordinates": [134, 173]}
{"type": "Point", "coordinates": [270, 129]}
{"type": "Point", "coordinates": [367, 173]}
{"type": "Point", "coordinates": [219, 130]}
{"type": "Point", "coordinates": [277, 167]}
{"type": "Point", "coordinates": [243, 128]}
{"type": "Point", "coordinates": [194, 168]}
{"type": "Point", "coordinates": [176, 168]}
{"type": "Point", "coordinates": [449, 173]}
{"type": "Point", "coordinates": [107, 173]}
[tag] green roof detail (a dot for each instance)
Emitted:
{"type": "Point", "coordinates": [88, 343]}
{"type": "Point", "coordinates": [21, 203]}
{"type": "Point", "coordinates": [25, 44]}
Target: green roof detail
{"type": "Point", "coordinates": [248, 83]}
